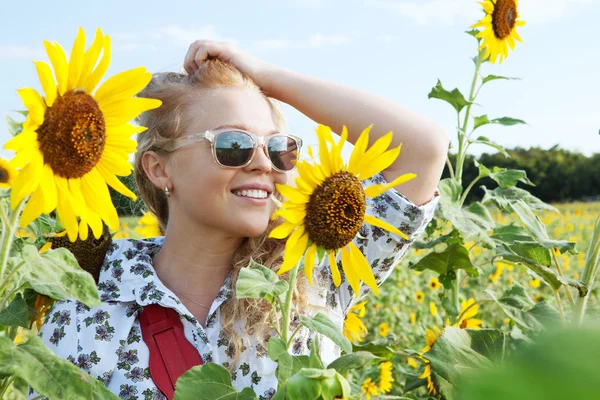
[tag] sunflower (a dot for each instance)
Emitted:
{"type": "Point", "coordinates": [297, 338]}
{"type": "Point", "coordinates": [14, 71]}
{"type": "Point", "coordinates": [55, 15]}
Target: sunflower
{"type": "Point", "coordinates": [354, 328]}
{"type": "Point", "coordinates": [419, 296]}
{"type": "Point", "coordinates": [369, 388]}
{"type": "Point", "coordinates": [76, 139]}
{"type": "Point", "coordinates": [499, 28]}
{"type": "Point", "coordinates": [384, 329]}
{"type": "Point", "coordinates": [468, 310]}
{"type": "Point", "coordinates": [327, 208]}
{"type": "Point", "coordinates": [148, 226]}
{"type": "Point", "coordinates": [434, 284]}
{"type": "Point", "coordinates": [385, 377]}
{"type": "Point", "coordinates": [7, 174]}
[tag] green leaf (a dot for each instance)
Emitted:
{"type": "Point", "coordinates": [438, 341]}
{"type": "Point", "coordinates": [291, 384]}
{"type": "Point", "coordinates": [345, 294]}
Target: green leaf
{"type": "Point", "coordinates": [454, 98]}
{"type": "Point", "coordinates": [352, 361]}
{"type": "Point", "coordinates": [504, 198]}
{"type": "Point", "coordinates": [473, 222]}
{"type": "Point", "coordinates": [460, 351]}
{"type": "Point", "coordinates": [14, 127]}
{"type": "Point", "coordinates": [480, 121]}
{"type": "Point", "coordinates": [258, 281]}
{"type": "Point", "coordinates": [376, 348]}
{"type": "Point", "coordinates": [508, 121]}
{"type": "Point", "coordinates": [320, 323]}
{"type": "Point", "coordinates": [510, 233]}
{"type": "Point", "coordinates": [47, 374]}
{"type": "Point", "coordinates": [454, 257]}
{"type": "Point", "coordinates": [484, 140]}
{"type": "Point", "coordinates": [315, 360]}
{"type": "Point", "coordinates": [538, 229]}
{"type": "Point", "coordinates": [277, 351]}
{"type": "Point", "coordinates": [16, 314]}
{"type": "Point", "coordinates": [509, 177]}
{"type": "Point", "coordinates": [207, 382]}
{"type": "Point", "coordinates": [561, 364]}
{"type": "Point", "coordinates": [57, 274]}
{"type": "Point", "coordinates": [496, 77]}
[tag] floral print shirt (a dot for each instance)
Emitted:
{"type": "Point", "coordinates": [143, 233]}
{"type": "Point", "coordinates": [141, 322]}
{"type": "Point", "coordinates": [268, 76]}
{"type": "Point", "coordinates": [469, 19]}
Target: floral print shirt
{"type": "Point", "coordinates": [106, 340]}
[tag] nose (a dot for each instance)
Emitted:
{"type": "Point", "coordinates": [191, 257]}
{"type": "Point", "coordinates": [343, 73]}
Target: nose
{"type": "Point", "coordinates": [261, 161]}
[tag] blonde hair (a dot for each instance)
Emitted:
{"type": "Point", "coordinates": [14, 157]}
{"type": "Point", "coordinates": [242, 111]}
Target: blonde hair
{"type": "Point", "coordinates": [177, 92]}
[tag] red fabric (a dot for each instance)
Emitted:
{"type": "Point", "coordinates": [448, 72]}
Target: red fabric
{"type": "Point", "coordinates": [171, 354]}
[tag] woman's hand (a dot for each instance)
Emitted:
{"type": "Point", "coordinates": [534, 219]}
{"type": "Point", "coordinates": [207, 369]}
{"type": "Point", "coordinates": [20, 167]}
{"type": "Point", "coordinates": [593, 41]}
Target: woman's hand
{"type": "Point", "coordinates": [200, 50]}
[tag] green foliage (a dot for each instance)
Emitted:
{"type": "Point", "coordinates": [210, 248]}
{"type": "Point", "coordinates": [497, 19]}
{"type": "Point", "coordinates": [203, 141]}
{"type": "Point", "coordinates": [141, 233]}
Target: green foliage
{"type": "Point", "coordinates": [54, 273]}
{"type": "Point", "coordinates": [560, 365]}
{"type": "Point", "coordinates": [207, 382]}
{"type": "Point", "coordinates": [49, 375]}
{"type": "Point", "coordinates": [322, 324]}
{"type": "Point", "coordinates": [258, 281]}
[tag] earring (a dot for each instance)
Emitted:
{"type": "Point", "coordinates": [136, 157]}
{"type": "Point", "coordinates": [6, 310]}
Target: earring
{"type": "Point", "coordinates": [167, 193]}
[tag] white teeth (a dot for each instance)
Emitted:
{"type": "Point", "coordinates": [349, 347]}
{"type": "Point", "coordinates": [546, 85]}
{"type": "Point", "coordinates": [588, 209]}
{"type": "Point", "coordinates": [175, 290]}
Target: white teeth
{"type": "Point", "coordinates": [256, 194]}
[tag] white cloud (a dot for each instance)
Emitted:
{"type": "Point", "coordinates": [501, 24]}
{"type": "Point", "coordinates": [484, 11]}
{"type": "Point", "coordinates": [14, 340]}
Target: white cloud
{"type": "Point", "coordinates": [16, 52]}
{"type": "Point", "coordinates": [185, 36]}
{"type": "Point", "coordinates": [270, 45]}
{"type": "Point", "coordinates": [318, 40]}
{"type": "Point", "coordinates": [450, 12]}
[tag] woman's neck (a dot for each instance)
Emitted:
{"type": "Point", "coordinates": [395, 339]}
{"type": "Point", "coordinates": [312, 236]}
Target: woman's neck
{"type": "Point", "coordinates": [195, 264]}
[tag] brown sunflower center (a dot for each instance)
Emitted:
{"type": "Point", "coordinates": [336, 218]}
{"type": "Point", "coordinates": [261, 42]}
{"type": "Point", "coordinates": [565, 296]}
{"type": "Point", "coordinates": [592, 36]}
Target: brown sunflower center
{"type": "Point", "coordinates": [504, 18]}
{"type": "Point", "coordinates": [4, 175]}
{"type": "Point", "coordinates": [73, 135]}
{"type": "Point", "coordinates": [335, 211]}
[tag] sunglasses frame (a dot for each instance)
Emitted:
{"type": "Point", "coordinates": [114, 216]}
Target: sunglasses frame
{"type": "Point", "coordinates": [212, 134]}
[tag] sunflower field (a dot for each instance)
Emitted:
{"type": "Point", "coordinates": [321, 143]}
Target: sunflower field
{"type": "Point", "coordinates": [498, 299]}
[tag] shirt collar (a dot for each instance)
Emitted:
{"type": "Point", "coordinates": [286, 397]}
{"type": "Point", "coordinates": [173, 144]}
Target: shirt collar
{"type": "Point", "coordinates": [128, 275]}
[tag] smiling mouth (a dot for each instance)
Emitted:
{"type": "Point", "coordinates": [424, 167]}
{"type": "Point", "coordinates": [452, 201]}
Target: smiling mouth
{"type": "Point", "coordinates": [253, 194]}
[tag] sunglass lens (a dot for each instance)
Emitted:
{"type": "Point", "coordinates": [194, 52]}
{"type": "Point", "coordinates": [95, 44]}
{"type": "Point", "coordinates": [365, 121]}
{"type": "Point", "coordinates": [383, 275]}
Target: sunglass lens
{"type": "Point", "coordinates": [233, 148]}
{"type": "Point", "coordinates": [283, 151]}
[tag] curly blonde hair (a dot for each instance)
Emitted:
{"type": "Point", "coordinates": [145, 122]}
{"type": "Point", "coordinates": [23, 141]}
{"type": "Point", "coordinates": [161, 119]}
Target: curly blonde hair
{"type": "Point", "coordinates": [178, 92]}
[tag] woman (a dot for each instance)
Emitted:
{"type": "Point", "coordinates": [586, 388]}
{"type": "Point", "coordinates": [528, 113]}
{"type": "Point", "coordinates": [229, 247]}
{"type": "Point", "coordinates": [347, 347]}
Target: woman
{"type": "Point", "coordinates": [212, 200]}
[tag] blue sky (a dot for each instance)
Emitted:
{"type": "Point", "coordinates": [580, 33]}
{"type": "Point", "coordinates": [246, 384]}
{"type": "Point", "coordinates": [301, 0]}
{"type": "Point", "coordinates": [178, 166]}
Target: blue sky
{"type": "Point", "coordinates": [393, 48]}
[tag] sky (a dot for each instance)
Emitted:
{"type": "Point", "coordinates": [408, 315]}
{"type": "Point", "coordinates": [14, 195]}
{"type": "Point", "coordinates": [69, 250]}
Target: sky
{"type": "Point", "coordinates": [396, 49]}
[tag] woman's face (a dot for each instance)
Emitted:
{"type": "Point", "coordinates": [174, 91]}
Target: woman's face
{"type": "Point", "coordinates": [211, 196]}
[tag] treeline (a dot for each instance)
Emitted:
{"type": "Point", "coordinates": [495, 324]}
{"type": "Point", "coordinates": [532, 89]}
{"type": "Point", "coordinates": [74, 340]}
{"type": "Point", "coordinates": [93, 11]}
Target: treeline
{"type": "Point", "coordinates": [559, 175]}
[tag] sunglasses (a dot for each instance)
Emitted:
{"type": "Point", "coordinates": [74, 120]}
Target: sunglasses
{"type": "Point", "coordinates": [235, 148]}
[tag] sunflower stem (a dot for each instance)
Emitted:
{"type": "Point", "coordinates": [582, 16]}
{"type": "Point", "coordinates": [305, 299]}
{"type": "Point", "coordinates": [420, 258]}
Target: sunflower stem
{"type": "Point", "coordinates": [8, 233]}
{"type": "Point", "coordinates": [592, 265]}
{"type": "Point", "coordinates": [569, 297]}
{"type": "Point", "coordinates": [285, 319]}
{"type": "Point", "coordinates": [455, 290]}
{"type": "Point", "coordinates": [462, 148]}
{"type": "Point", "coordinates": [560, 307]}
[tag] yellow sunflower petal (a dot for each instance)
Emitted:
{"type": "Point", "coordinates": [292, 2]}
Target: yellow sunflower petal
{"type": "Point", "coordinates": [294, 251]}
{"type": "Point", "coordinates": [294, 216]}
{"type": "Point", "coordinates": [90, 58]}
{"type": "Point", "coordinates": [350, 271]}
{"type": "Point", "coordinates": [337, 162]}
{"type": "Point", "coordinates": [83, 229]}
{"type": "Point", "coordinates": [124, 131]}
{"type": "Point", "coordinates": [58, 59]}
{"type": "Point", "coordinates": [292, 194]}
{"type": "Point", "coordinates": [335, 272]}
{"type": "Point", "coordinates": [379, 164]}
{"type": "Point", "coordinates": [124, 111]}
{"type": "Point", "coordinates": [304, 185]}
{"type": "Point", "coordinates": [323, 134]}
{"type": "Point", "coordinates": [33, 208]}
{"type": "Point", "coordinates": [360, 147]}
{"type": "Point", "coordinates": [376, 190]}
{"type": "Point", "coordinates": [283, 230]}
{"type": "Point", "coordinates": [24, 140]}
{"type": "Point", "coordinates": [309, 262]}
{"type": "Point", "coordinates": [49, 187]}
{"type": "Point", "coordinates": [47, 81]}
{"type": "Point", "coordinates": [76, 59]}
{"type": "Point", "coordinates": [122, 86]}
{"type": "Point", "coordinates": [36, 107]}
{"type": "Point", "coordinates": [115, 183]}
{"type": "Point", "coordinates": [96, 76]}
{"type": "Point", "coordinates": [97, 197]}
{"type": "Point", "coordinates": [310, 174]}
{"type": "Point", "coordinates": [27, 181]}
{"type": "Point", "coordinates": [369, 219]}
{"type": "Point", "coordinates": [363, 268]}
{"type": "Point", "coordinates": [66, 215]}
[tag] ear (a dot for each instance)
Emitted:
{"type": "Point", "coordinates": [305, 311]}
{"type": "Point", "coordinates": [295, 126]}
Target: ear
{"type": "Point", "coordinates": [155, 168]}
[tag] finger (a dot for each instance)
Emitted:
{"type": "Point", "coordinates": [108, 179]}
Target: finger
{"type": "Point", "coordinates": [188, 62]}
